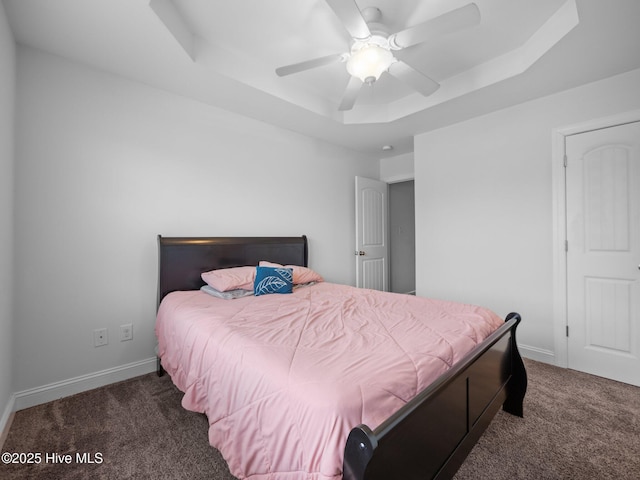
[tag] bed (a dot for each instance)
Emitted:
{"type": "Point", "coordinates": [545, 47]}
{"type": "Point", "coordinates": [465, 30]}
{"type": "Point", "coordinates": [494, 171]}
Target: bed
{"type": "Point", "coordinates": [428, 427]}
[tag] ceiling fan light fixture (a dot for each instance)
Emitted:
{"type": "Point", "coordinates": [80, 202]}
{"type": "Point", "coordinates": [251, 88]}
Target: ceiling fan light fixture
{"type": "Point", "coordinates": [368, 62]}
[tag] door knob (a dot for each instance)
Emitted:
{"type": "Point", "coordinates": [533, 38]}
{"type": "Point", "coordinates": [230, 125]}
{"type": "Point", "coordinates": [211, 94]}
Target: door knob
{"type": "Point", "coordinates": [362, 253]}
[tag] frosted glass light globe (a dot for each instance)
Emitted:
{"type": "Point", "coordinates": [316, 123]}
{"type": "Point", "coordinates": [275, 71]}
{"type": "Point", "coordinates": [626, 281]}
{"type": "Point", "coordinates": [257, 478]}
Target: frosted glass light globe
{"type": "Point", "coordinates": [368, 62]}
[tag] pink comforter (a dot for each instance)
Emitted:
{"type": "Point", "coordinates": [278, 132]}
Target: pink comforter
{"type": "Point", "coordinates": [284, 378]}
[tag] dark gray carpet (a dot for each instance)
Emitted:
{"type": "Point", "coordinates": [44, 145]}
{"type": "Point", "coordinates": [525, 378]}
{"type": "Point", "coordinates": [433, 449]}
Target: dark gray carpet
{"type": "Point", "coordinates": [137, 425]}
{"type": "Point", "coordinates": [576, 426]}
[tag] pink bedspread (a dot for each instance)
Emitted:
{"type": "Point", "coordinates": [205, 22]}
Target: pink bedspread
{"type": "Point", "coordinates": [284, 378]}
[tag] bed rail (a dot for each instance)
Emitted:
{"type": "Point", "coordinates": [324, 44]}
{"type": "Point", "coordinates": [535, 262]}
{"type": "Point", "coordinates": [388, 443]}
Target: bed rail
{"type": "Point", "coordinates": [432, 434]}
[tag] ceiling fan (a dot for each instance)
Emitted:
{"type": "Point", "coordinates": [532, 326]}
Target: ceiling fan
{"type": "Point", "coordinates": [372, 48]}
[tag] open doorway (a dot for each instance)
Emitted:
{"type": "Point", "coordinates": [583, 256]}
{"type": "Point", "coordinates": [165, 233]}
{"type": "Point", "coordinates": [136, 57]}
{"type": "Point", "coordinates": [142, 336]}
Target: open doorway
{"type": "Point", "coordinates": [402, 237]}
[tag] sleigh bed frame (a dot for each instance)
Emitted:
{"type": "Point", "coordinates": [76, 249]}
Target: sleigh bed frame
{"type": "Point", "coordinates": [432, 434]}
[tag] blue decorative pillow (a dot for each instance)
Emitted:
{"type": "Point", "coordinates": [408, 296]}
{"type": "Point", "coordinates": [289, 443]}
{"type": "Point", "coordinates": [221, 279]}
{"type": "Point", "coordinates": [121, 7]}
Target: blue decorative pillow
{"type": "Point", "coordinates": [273, 280]}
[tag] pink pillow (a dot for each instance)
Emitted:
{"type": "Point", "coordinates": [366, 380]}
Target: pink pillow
{"type": "Point", "coordinates": [226, 279]}
{"type": "Point", "coordinates": [300, 274]}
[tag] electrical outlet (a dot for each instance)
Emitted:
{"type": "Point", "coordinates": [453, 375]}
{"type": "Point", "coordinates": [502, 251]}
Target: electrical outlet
{"type": "Point", "coordinates": [100, 337]}
{"type": "Point", "coordinates": [126, 332]}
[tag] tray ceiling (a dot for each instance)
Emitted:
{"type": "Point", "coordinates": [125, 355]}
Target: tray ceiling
{"type": "Point", "coordinates": [226, 53]}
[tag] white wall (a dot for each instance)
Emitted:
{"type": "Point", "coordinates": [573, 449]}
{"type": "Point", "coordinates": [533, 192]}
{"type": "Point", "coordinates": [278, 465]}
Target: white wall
{"type": "Point", "coordinates": [105, 164]}
{"type": "Point", "coordinates": [397, 169]}
{"type": "Point", "coordinates": [7, 95]}
{"type": "Point", "coordinates": [484, 204]}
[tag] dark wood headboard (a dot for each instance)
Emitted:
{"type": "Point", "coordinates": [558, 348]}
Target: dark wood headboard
{"type": "Point", "coordinates": [181, 260]}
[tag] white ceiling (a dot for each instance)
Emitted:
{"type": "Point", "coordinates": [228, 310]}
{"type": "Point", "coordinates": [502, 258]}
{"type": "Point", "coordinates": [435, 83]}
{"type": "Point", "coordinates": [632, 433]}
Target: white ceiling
{"type": "Point", "coordinates": [226, 53]}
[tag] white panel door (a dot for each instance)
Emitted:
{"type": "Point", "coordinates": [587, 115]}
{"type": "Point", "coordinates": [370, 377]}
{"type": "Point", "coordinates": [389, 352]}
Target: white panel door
{"type": "Point", "coordinates": [372, 249]}
{"type": "Point", "coordinates": [603, 257]}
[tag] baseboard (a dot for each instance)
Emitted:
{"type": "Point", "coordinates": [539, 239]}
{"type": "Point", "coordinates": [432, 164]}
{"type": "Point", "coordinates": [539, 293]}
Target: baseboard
{"type": "Point", "coordinates": [6, 419]}
{"type": "Point", "coordinates": [538, 354]}
{"type": "Point", "coordinates": [54, 391]}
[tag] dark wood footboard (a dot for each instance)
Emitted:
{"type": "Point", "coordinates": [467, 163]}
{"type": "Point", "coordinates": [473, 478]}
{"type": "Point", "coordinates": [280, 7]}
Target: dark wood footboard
{"type": "Point", "coordinates": [430, 437]}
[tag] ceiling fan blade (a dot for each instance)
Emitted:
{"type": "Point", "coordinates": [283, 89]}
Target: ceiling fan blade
{"type": "Point", "coordinates": [349, 14]}
{"type": "Point", "coordinates": [350, 94]}
{"type": "Point", "coordinates": [463, 17]}
{"type": "Point", "coordinates": [308, 64]}
{"type": "Point", "coordinates": [415, 79]}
